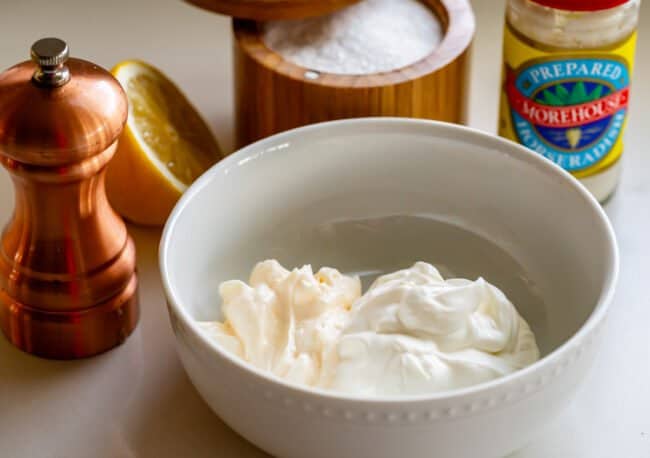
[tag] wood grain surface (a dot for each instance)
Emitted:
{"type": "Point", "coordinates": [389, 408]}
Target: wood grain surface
{"type": "Point", "coordinates": [265, 10]}
{"type": "Point", "coordinates": [273, 95]}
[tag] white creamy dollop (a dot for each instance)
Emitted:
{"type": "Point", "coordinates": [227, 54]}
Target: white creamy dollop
{"type": "Point", "coordinates": [412, 332]}
{"type": "Point", "coordinates": [287, 323]}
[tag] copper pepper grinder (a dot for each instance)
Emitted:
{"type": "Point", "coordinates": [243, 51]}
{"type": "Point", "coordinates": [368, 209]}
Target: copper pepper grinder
{"type": "Point", "coordinates": [68, 287]}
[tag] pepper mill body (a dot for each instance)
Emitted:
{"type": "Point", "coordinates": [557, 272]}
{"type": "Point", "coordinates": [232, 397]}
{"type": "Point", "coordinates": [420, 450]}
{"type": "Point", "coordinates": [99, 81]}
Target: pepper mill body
{"type": "Point", "coordinates": [68, 282]}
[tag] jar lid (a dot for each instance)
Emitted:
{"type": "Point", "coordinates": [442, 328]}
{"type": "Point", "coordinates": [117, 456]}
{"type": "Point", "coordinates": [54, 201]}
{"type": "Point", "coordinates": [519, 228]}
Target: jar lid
{"type": "Point", "coordinates": [265, 10]}
{"type": "Point", "coordinates": [56, 110]}
{"type": "Point", "coordinates": [581, 5]}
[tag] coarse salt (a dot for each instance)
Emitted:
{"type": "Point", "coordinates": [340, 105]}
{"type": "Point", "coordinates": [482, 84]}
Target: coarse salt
{"type": "Point", "coordinates": [372, 36]}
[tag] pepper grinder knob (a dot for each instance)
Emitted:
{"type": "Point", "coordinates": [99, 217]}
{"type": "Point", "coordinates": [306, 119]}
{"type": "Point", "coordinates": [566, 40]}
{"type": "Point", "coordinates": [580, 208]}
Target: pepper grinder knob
{"type": "Point", "coordinates": [50, 54]}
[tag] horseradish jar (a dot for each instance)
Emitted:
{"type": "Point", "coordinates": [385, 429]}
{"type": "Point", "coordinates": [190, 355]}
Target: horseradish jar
{"type": "Point", "coordinates": [566, 82]}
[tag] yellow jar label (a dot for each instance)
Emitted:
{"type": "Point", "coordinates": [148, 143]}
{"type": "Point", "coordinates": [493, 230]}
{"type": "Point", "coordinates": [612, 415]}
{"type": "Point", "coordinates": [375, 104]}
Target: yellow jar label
{"type": "Point", "coordinates": [568, 105]}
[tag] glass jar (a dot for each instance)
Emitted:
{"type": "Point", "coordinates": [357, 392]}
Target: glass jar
{"type": "Point", "coordinates": [567, 71]}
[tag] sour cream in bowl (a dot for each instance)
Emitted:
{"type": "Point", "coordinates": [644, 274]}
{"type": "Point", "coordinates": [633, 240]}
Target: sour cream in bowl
{"type": "Point", "coordinates": [406, 206]}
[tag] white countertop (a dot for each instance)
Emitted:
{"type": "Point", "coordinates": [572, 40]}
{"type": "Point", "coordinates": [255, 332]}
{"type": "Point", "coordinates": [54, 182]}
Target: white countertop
{"type": "Point", "coordinates": [136, 401]}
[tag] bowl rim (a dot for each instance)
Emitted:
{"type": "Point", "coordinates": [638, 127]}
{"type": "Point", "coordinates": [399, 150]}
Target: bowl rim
{"type": "Point", "coordinates": [435, 128]}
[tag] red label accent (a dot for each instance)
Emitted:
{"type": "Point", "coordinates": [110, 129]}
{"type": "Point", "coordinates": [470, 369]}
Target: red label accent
{"type": "Point", "coordinates": [569, 116]}
{"type": "Point", "coordinates": [581, 5]}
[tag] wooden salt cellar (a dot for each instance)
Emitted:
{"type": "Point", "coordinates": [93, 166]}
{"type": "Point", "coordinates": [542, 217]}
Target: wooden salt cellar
{"type": "Point", "coordinates": [274, 95]}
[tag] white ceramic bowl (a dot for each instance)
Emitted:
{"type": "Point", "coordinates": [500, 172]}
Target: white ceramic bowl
{"type": "Point", "coordinates": [333, 194]}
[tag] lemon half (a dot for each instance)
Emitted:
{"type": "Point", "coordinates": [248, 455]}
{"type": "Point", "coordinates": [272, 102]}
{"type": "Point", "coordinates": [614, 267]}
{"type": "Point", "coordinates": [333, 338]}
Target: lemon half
{"type": "Point", "coordinates": [165, 146]}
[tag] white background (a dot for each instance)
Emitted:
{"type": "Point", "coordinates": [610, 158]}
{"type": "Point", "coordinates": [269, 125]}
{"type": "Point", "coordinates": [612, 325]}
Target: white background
{"type": "Point", "coordinates": [136, 401]}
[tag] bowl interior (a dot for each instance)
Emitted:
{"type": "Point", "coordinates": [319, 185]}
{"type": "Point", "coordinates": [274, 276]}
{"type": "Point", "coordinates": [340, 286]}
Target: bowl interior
{"type": "Point", "coordinates": [375, 195]}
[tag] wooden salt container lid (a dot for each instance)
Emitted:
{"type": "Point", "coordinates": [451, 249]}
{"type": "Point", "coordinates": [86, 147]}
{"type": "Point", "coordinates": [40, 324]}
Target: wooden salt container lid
{"type": "Point", "coordinates": [265, 10]}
